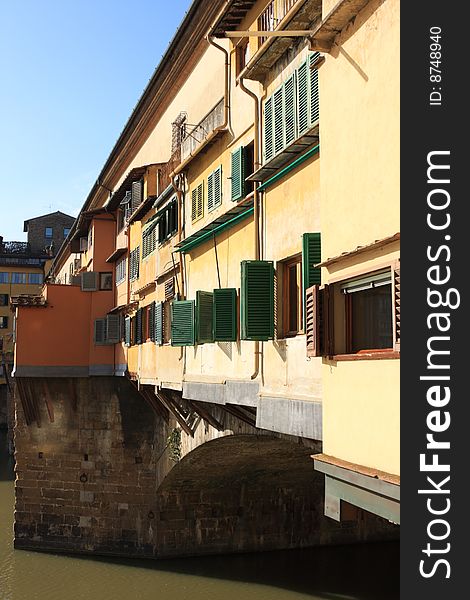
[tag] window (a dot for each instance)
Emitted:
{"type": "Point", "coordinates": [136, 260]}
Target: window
{"type": "Point", "coordinates": [3, 299]}
{"type": "Point", "coordinates": [183, 323]}
{"type": "Point", "coordinates": [214, 189]}
{"type": "Point", "coordinates": [90, 238]}
{"type": "Point", "coordinates": [66, 231]}
{"type": "Point", "coordinates": [48, 232]}
{"type": "Point", "coordinates": [35, 278]}
{"type": "Point", "coordinates": [19, 278]}
{"type": "Point", "coordinates": [134, 264]}
{"type": "Point", "coordinates": [121, 270]}
{"type": "Point", "coordinates": [368, 312]}
{"type": "Point", "coordinates": [292, 110]}
{"type": "Point", "coordinates": [357, 316]}
{"type": "Point", "coordinates": [242, 56]}
{"type": "Point", "coordinates": [168, 221]}
{"type": "Point", "coordinates": [242, 167]}
{"type": "Point", "coordinates": [197, 202]}
{"type": "Point", "coordinates": [106, 281]}
{"type": "Point", "coordinates": [257, 300]}
{"type": "Point", "coordinates": [149, 240]}
{"type": "Point", "coordinates": [292, 296]}
{"type": "Point", "coordinates": [4, 277]}
{"type": "Point", "coordinates": [3, 322]}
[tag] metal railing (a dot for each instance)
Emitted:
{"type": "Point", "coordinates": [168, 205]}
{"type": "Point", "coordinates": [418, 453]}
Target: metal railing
{"type": "Point", "coordinates": [272, 15]}
{"type": "Point", "coordinates": [196, 134]}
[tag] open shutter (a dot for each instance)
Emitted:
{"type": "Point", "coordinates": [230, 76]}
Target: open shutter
{"type": "Point", "coordinates": [311, 255]}
{"type": "Point", "coordinates": [100, 332]}
{"type": "Point", "coordinates": [151, 322]}
{"type": "Point", "coordinates": [138, 327]}
{"type": "Point", "coordinates": [225, 315]}
{"type": "Point", "coordinates": [182, 323]}
{"type": "Point", "coordinates": [268, 129]}
{"type": "Point", "coordinates": [238, 174]}
{"type": "Point", "coordinates": [210, 192]}
{"type": "Point", "coordinates": [289, 109]}
{"type": "Point", "coordinates": [127, 331]}
{"type": "Point", "coordinates": [257, 300]}
{"type": "Point", "coordinates": [137, 192]}
{"type": "Point", "coordinates": [204, 317]}
{"type": "Point", "coordinates": [217, 178]}
{"type": "Point", "coordinates": [396, 305]}
{"type": "Point", "coordinates": [159, 323]}
{"type": "Point", "coordinates": [313, 320]}
{"type": "Point", "coordinates": [314, 99]}
{"type": "Point", "coordinates": [112, 329]}
{"type": "Point", "coordinates": [194, 204]}
{"type": "Point", "coordinates": [89, 281]}
{"type": "Point", "coordinates": [197, 202]}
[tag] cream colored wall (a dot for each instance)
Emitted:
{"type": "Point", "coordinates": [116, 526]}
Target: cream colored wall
{"type": "Point", "coordinates": [361, 413]}
{"type": "Point", "coordinates": [359, 133]}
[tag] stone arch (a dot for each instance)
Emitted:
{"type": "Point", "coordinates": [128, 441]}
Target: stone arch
{"type": "Point", "coordinates": [243, 493]}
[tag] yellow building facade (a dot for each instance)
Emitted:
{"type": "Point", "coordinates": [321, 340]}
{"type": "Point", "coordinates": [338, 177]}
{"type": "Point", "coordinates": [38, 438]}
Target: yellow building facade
{"type": "Point", "coordinates": [252, 233]}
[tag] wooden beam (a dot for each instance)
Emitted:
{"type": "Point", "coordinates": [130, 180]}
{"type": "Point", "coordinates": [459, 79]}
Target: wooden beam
{"type": "Point", "coordinates": [284, 33]}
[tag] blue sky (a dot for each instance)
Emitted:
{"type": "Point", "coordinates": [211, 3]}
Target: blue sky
{"type": "Point", "coordinates": [71, 73]}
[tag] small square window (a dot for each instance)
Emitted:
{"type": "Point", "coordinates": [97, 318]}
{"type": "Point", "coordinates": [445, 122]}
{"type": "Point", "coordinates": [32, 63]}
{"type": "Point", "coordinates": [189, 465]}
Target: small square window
{"type": "Point", "coordinates": [3, 322]}
{"type": "Point", "coordinates": [106, 281]}
{"type": "Point", "coordinates": [48, 232]}
{"type": "Point", "coordinates": [66, 231]}
{"type": "Point", "coordinates": [4, 277]}
{"type": "Point", "coordinates": [3, 299]}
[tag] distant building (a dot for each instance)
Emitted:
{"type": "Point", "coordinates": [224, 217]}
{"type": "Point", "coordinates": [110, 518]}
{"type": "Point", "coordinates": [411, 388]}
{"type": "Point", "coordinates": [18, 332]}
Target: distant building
{"type": "Point", "coordinates": [46, 233]}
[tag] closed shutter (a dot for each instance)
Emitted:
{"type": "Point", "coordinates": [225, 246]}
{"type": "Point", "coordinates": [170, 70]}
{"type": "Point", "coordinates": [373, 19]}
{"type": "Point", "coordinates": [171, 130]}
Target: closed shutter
{"type": "Point", "coordinates": [204, 317]}
{"type": "Point", "coordinates": [127, 331]}
{"type": "Point", "coordinates": [197, 202]}
{"type": "Point", "coordinates": [238, 174]}
{"type": "Point", "coordinates": [89, 281]}
{"type": "Point", "coordinates": [314, 97]}
{"type": "Point", "coordinates": [396, 301]}
{"type": "Point", "coordinates": [159, 323]}
{"type": "Point", "coordinates": [268, 129]}
{"type": "Point", "coordinates": [182, 323]}
{"type": "Point", "coordinates": [100, 332]}
{"type": "Point", "coordinates": [137, 193]}
{"type": "Point", "coordinates": [289, 109]}
{"type": "Point", "coordinates": [225, 315]}
{"type": "Point", "coordinates": [303, 98]}
{"type": "Point", "coordinates": [210, 192]}
{"type": "Point", "coordinates": [170, 288]}
{"type": "Point", "coordinates": [138, 327]}
{"type": "Point", "coordinates": [218, 186]}
{"type": "Point", "coordinates": [257, 300]}
{"type": "Point", "coordinates": [278, 120]}
{"type": "Point", "coordinates": [112, 329]}
{"type": "Point", "coordinates": [151, 321]}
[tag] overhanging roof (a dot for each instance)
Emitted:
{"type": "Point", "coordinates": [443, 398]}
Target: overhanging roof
{"type": "Point", "coordinates": [133, 175]}
{"type": "Point", "coordinates": [232, 16]}
{"type": "Point", "coordinates": [229, 219]}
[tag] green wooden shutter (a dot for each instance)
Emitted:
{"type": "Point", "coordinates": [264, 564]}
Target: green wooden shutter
{"type": "Point", "coordinates": [225, 315]}
{"type": "Point", "coordinates": [159, 323]}
{"type": "Point", "coordinates": [268, 129]}
{"type": "Point", "coordinates": [257, 300]}
{"type": "Point", "coordinates": [311, 255]}
{"type": "Point", "coordinates": [303, 111]}
{"type": "Point", "coordinates": [238, 174]}
{"type": "Point", "coordinates": [127, 330]}
{"type": "Point", "coordinates": [204, 317]}
{"type": "Point", "coordinates": [289, 109]}
{"type": "Point", "coordinates": [182, 323]}
{"type": "Point", "coordinates": [193, 204]}
{"type": "Point", "coordinates": [279, 120]}
{"type": "Point", "coordinates": [151, 317]}
{"type": "Point", "coordinates": [138, 327]}
{"type": "Point", "coordinates": [314, 99]}
{"type": "Point", "coordinates": [217, 179]}
{"type": "Point", "coordinates": [210, 193]}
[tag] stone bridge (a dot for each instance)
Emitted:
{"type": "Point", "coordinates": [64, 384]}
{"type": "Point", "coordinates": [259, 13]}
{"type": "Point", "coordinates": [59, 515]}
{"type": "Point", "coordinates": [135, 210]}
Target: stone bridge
{"type": "Point", "coordinates": [104, 467]}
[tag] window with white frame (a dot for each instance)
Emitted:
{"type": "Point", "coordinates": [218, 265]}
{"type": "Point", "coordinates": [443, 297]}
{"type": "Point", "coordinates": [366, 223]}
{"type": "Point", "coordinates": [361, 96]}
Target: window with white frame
{"type": "Point", "coordinates": [121, 269]}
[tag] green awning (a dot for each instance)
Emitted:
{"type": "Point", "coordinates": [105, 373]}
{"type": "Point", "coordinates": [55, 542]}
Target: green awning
{"type": "Point", "coordinates": [226, 221]}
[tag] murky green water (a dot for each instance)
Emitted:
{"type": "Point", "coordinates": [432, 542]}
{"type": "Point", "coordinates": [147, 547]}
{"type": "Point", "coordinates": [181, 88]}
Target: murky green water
{"type": "Point", "coordinates": [368, 572]}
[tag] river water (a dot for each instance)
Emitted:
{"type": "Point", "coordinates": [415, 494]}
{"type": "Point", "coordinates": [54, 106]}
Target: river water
{"type": "Point", "coordinates": [365, 572]}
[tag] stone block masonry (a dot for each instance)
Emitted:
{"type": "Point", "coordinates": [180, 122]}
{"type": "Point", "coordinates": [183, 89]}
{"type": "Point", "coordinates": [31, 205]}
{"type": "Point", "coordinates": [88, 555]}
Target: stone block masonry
{"type": "Point", "coordinates": [96, 477]}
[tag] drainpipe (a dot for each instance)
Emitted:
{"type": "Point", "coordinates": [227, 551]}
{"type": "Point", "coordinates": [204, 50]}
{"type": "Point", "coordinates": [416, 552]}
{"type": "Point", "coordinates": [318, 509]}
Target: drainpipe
{"type": "Point", "coordinates": [257, 165]}
{"type": "Point", "coordinates": [179, 196]}
{"type": "Point", "coordinates": [225, 124]}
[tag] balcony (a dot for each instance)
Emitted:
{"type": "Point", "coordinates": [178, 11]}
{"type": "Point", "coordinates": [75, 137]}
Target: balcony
{"type": "Point", "coordinates": [280, 15]}
{"type": "Point", "coordinates": [197, 136]}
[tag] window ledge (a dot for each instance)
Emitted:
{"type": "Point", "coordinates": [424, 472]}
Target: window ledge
{"type": "Point", "coordinates": [372, 355]}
